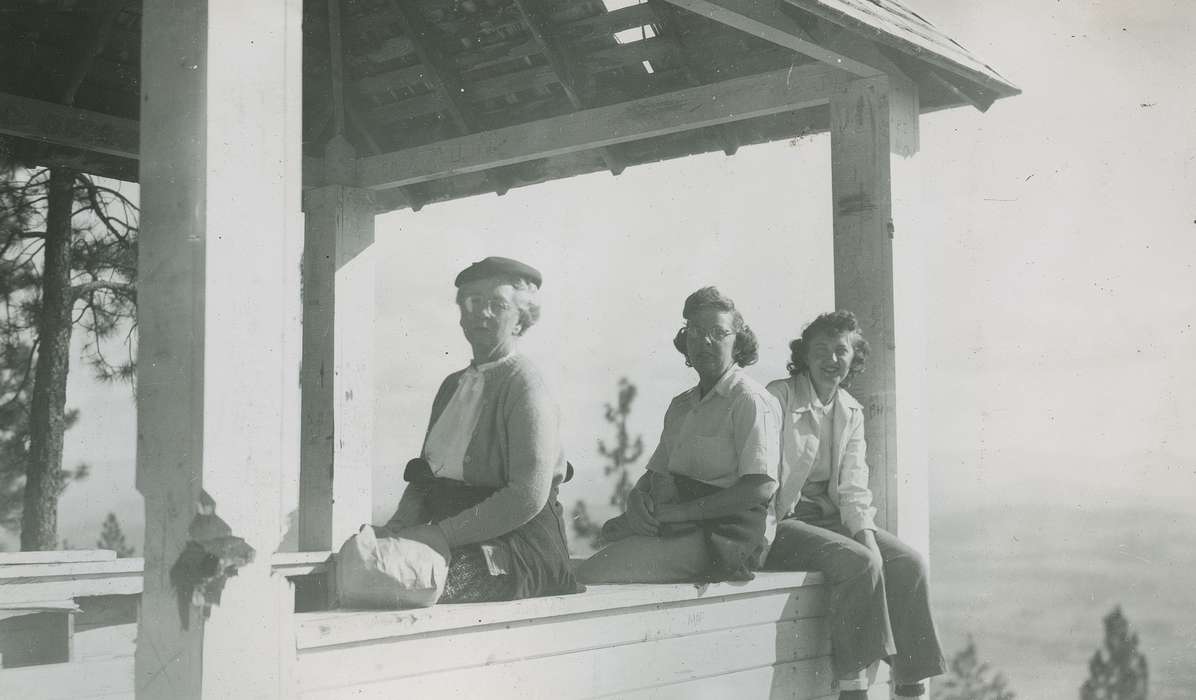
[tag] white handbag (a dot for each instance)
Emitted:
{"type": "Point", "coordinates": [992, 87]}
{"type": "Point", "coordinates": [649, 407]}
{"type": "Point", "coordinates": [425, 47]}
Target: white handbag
{"type": "Point", "coordinates": [388, 572]}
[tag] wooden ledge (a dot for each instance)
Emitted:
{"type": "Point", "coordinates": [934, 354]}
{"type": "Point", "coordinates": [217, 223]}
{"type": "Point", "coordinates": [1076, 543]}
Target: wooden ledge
{"type": "Point", "coordinates": [73, 576]}
{"type": "Point", "coordinates": [330, 628]}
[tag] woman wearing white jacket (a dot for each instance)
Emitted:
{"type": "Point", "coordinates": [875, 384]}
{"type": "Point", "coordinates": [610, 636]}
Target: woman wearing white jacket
{"type": "Point", "coordinates": [879, 606]}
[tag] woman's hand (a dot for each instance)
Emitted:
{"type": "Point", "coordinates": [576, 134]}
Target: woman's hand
{"type": "Point", "coordinates": [640, 515]}
{"type": "Point", "coordinates": [672, 513]}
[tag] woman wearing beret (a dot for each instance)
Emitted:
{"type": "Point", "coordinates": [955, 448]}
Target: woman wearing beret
{"type": "Point", "coordinates": [879, 605]}
{"type": "Point", "coordinates": [484, 490]}
{"type": "Point", "coordinates": [700, 511]}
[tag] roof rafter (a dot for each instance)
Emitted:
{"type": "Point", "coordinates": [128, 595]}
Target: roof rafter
{"type": "Point", "coordinates": [343, 114]}
{"type": "Point", "coordinates": [444, 80]}
{"type": "Point", "coordinates": [666, 22]}
{"type": "Point", "coordinates": [684, 110]}
{"type": "Point", "coordinates": [565, 70]}
{"type": "Point", "coordinates": [767, 21]}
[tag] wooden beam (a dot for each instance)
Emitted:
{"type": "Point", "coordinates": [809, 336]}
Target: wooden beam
{"type": "Point", "coordinates": [336, 67]}
{"type": "Point", "coordinates": [336, 379]}
{"type": "Point", "coordinates": [977, 97]}
{"type": "Point", "coordinates": [444, 79]}
{"type": "Point", "coordinates": [904, 100]}
{"type": "Point", "coordinates": [764, 19]}
{"type": "Point", "coordinates": [863, 259]}
{"type": "Point", "coordinates": [438, 73]}
{"type": "Point", "coordinates": [670, 113]}
{"type": "Point", "coordinates": [666, 26]}
{"type": "Point", "coordinates": [217, 384]}
{"type": "Point", "coordinates": [68, 126]}
{"type": "Point", "coordinates": [565, 70]}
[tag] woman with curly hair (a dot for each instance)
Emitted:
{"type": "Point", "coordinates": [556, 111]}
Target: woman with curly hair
{"type": "Point", "coordinates": [879, 605]}
{"type": "Point", "coordinates": [699, 513]}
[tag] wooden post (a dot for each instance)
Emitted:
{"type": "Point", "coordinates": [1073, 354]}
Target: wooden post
{"type": "Point", "coordinates": [863, 249]}
{"type": "Point", "coordinates": [337, 381]}
{"type": "Point", "coordinates": [220, 179]}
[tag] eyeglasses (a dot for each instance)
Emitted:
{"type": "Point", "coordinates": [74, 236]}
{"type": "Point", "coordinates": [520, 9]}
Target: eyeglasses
{"type": "Point", "coordinates": [713, 335]}
{"type": "Point", "coordinates": [477, 304]}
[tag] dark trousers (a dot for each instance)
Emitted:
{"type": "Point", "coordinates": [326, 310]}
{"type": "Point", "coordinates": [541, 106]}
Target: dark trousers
{"type": "Point", "coordinates": [879, 606]}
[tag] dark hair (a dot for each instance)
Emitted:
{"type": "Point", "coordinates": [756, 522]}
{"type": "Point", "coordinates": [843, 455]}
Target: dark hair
{"type": "Point", "coordinates": [746, 349]}
{"type": "Point", "coordinates": [831, 323]}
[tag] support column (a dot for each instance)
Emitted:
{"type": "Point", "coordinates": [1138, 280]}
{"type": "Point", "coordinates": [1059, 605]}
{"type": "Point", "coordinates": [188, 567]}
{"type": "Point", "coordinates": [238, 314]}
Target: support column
{"type": "Point", "coordinates": [220, 180]}
{"type": "Point", "coordinates": [337, 378]}
{"type": "Point", "coordinates": [863, 249]}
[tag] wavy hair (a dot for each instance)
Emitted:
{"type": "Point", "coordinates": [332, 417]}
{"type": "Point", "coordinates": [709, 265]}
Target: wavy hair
{"type": "Point", "coordinates": [831, 323]}
{"type": "Point", "coordinates": [746, 349]}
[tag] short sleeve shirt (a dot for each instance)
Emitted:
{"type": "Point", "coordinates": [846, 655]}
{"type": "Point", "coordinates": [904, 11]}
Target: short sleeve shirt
{"type": "Point", "coordinates": [733, 431]}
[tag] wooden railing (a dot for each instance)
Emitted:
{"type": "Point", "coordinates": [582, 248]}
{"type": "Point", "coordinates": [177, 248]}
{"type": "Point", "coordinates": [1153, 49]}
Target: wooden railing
{"type": "Point", "coordinates": [762, 639]}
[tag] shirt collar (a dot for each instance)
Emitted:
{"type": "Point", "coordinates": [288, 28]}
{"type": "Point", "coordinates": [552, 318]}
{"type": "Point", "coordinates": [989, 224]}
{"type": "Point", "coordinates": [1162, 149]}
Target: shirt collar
{"type": "Point", "coordinates": [807, 398]}
{"type": "Point", "coordinates": [722, 387]}
{"type": "Point", "coordinates": [482, 368]}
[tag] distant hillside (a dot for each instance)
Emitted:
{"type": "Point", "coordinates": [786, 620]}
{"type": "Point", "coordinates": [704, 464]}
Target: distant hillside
{"type": "Point", "coordinates": [1031, 583]}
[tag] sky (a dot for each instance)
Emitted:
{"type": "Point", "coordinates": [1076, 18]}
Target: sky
{"type": "Point", "coordinates": [1057, 238]}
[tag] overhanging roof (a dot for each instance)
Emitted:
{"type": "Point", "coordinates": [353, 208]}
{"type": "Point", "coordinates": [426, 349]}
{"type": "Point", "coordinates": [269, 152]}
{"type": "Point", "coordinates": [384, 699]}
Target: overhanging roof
{"type": "Point", "coordinates": [559, 87]}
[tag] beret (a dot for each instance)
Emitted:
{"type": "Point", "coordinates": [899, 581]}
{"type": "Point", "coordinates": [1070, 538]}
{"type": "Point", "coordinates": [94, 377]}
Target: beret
{"type": "Point", "coordinates": [494, 267]}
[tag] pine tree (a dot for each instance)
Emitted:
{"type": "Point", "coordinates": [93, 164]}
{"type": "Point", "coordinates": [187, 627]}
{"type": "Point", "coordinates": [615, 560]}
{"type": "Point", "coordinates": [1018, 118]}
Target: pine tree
{"type": "Point", "coordinates": [67, 258]}
{"type": "Point", "coordinates": [620, 457]}
{"type": "Point", "coordinates": [112, 537]}
{"type": "Point", "coordinates": [1117, 671]}
{"type": "Point", "coordinates": [968, 678]}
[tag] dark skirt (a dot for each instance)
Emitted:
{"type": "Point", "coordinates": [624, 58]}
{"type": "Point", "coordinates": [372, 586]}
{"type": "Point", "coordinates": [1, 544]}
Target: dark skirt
{"type": "Point", "coordinates": [736, 541]}
{"type": "Point", "coordinates": [530, 561]}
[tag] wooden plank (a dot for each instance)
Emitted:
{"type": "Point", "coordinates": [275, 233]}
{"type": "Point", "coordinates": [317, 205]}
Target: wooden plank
{"type": "Point", "coordinates": [346, 626]}
{"type": "Point", "coordinates": [977, 97]}
{"type": "Point", "coordinates": [336, 67]}
{"type": "Point", "coordinates": [65, 556]}
{"type": "Point", "coordinates": [34, 582]}
{"type": "Point", "coordinates": [863, 259]}
{"type": "Point", "coordinates": [683, 110]}
{"type": "Point", "coordinates": [290, 564]}
{"type": "Point", "coordinates": [68, 126]}
{"type": "Point", "coordinates": [336, 377]}
{"type": "Point", "coordinates": [540, 77]}
{"type": "Point", "coordinates": [109, 678]}
{"type": "Point", "coordinates": [492, 644]}
{"type": "Point", "coordinates": [893, 25]}
{"type": "Point", "coordinates": [602, 671]}
{"type": "Point", "coordinates": [905, 108]}
{"type": "Point", "coordinates": [388, 81]}
{"type": "Point", "coordinates": [31, 583]}
{"type": "Point", "coordinates": [766, 21]}
{"type": "Point", "coordinates": [218, 273]}
{"type": "Point", "coordinates": [808, 679]}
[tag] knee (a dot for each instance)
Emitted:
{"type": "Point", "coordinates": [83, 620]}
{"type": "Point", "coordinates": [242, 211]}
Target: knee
{"type": "Point", "coordinates": [858, 563]}
{"type": "Point", "coordinates": [908, 569]}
